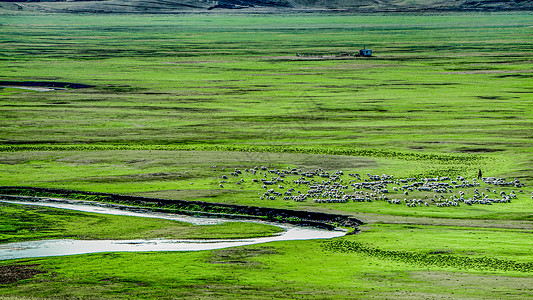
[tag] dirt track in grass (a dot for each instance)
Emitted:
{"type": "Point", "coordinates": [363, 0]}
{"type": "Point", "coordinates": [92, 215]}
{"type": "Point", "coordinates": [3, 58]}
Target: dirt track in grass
{"type": "Point", "coordinates": [13, 273]}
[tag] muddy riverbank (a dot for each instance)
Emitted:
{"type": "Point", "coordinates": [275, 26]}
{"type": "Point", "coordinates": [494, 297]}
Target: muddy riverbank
{"type": "Point", "coordinates": [304, 218]}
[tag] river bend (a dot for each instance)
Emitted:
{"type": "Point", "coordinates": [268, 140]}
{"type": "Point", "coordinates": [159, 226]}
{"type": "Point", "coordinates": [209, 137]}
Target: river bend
{"type": "Point", "coordinates": [58, 247]}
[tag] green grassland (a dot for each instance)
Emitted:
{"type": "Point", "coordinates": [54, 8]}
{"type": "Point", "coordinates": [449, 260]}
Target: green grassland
{"type": "Point", "coordinates": [188, 175]}
{"type": "Point", "coordinates": [234, 80]}
{"type": "Point", "coordinates": [175, 95]}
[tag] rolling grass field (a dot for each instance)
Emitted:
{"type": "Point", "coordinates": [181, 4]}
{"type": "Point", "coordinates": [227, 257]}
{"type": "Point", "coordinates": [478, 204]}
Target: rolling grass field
{"type": "Point", "coordinates": [175, 97]}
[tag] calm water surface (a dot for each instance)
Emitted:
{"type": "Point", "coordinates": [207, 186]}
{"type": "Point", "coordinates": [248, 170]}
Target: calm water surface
{"type": "Point", "coordinates": [71, 247]}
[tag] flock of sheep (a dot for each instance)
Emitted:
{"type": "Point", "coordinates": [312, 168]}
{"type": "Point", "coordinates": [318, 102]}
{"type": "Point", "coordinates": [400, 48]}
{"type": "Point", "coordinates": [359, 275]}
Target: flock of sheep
{"type": "Point", "coordinates": [321, 186]}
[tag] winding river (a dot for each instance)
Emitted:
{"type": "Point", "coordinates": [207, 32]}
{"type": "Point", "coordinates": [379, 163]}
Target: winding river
{"type": "Point", "coordinates": [70, 247]}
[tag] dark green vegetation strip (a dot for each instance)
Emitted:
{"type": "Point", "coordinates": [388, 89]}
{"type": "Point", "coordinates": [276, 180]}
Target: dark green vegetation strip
{"type": "Point", "coordinates": [430, 259]}
{"type": "Point", "coordinates": [52, 84]}
{"type": "Point", "coordinates": [73, 195]}
{"type": "Point", "coordinates": [466, 159]}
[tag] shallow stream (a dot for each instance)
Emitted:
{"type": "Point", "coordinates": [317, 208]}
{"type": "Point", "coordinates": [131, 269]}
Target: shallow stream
{"type": "Point", "coordinates": [71, 247]}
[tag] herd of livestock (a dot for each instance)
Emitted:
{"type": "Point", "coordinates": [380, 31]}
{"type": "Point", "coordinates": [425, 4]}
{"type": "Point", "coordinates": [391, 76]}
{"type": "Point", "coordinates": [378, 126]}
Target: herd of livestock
{"type": "Point", "coordinates": [320, 186]}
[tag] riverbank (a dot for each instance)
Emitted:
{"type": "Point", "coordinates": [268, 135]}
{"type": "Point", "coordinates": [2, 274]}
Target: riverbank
{"type": "Point", "coordinates": [32, 221]}
{"type": "Point", "coordinates": [62, 227]}
{"type": "Point", "coordinates": [198, 208]}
